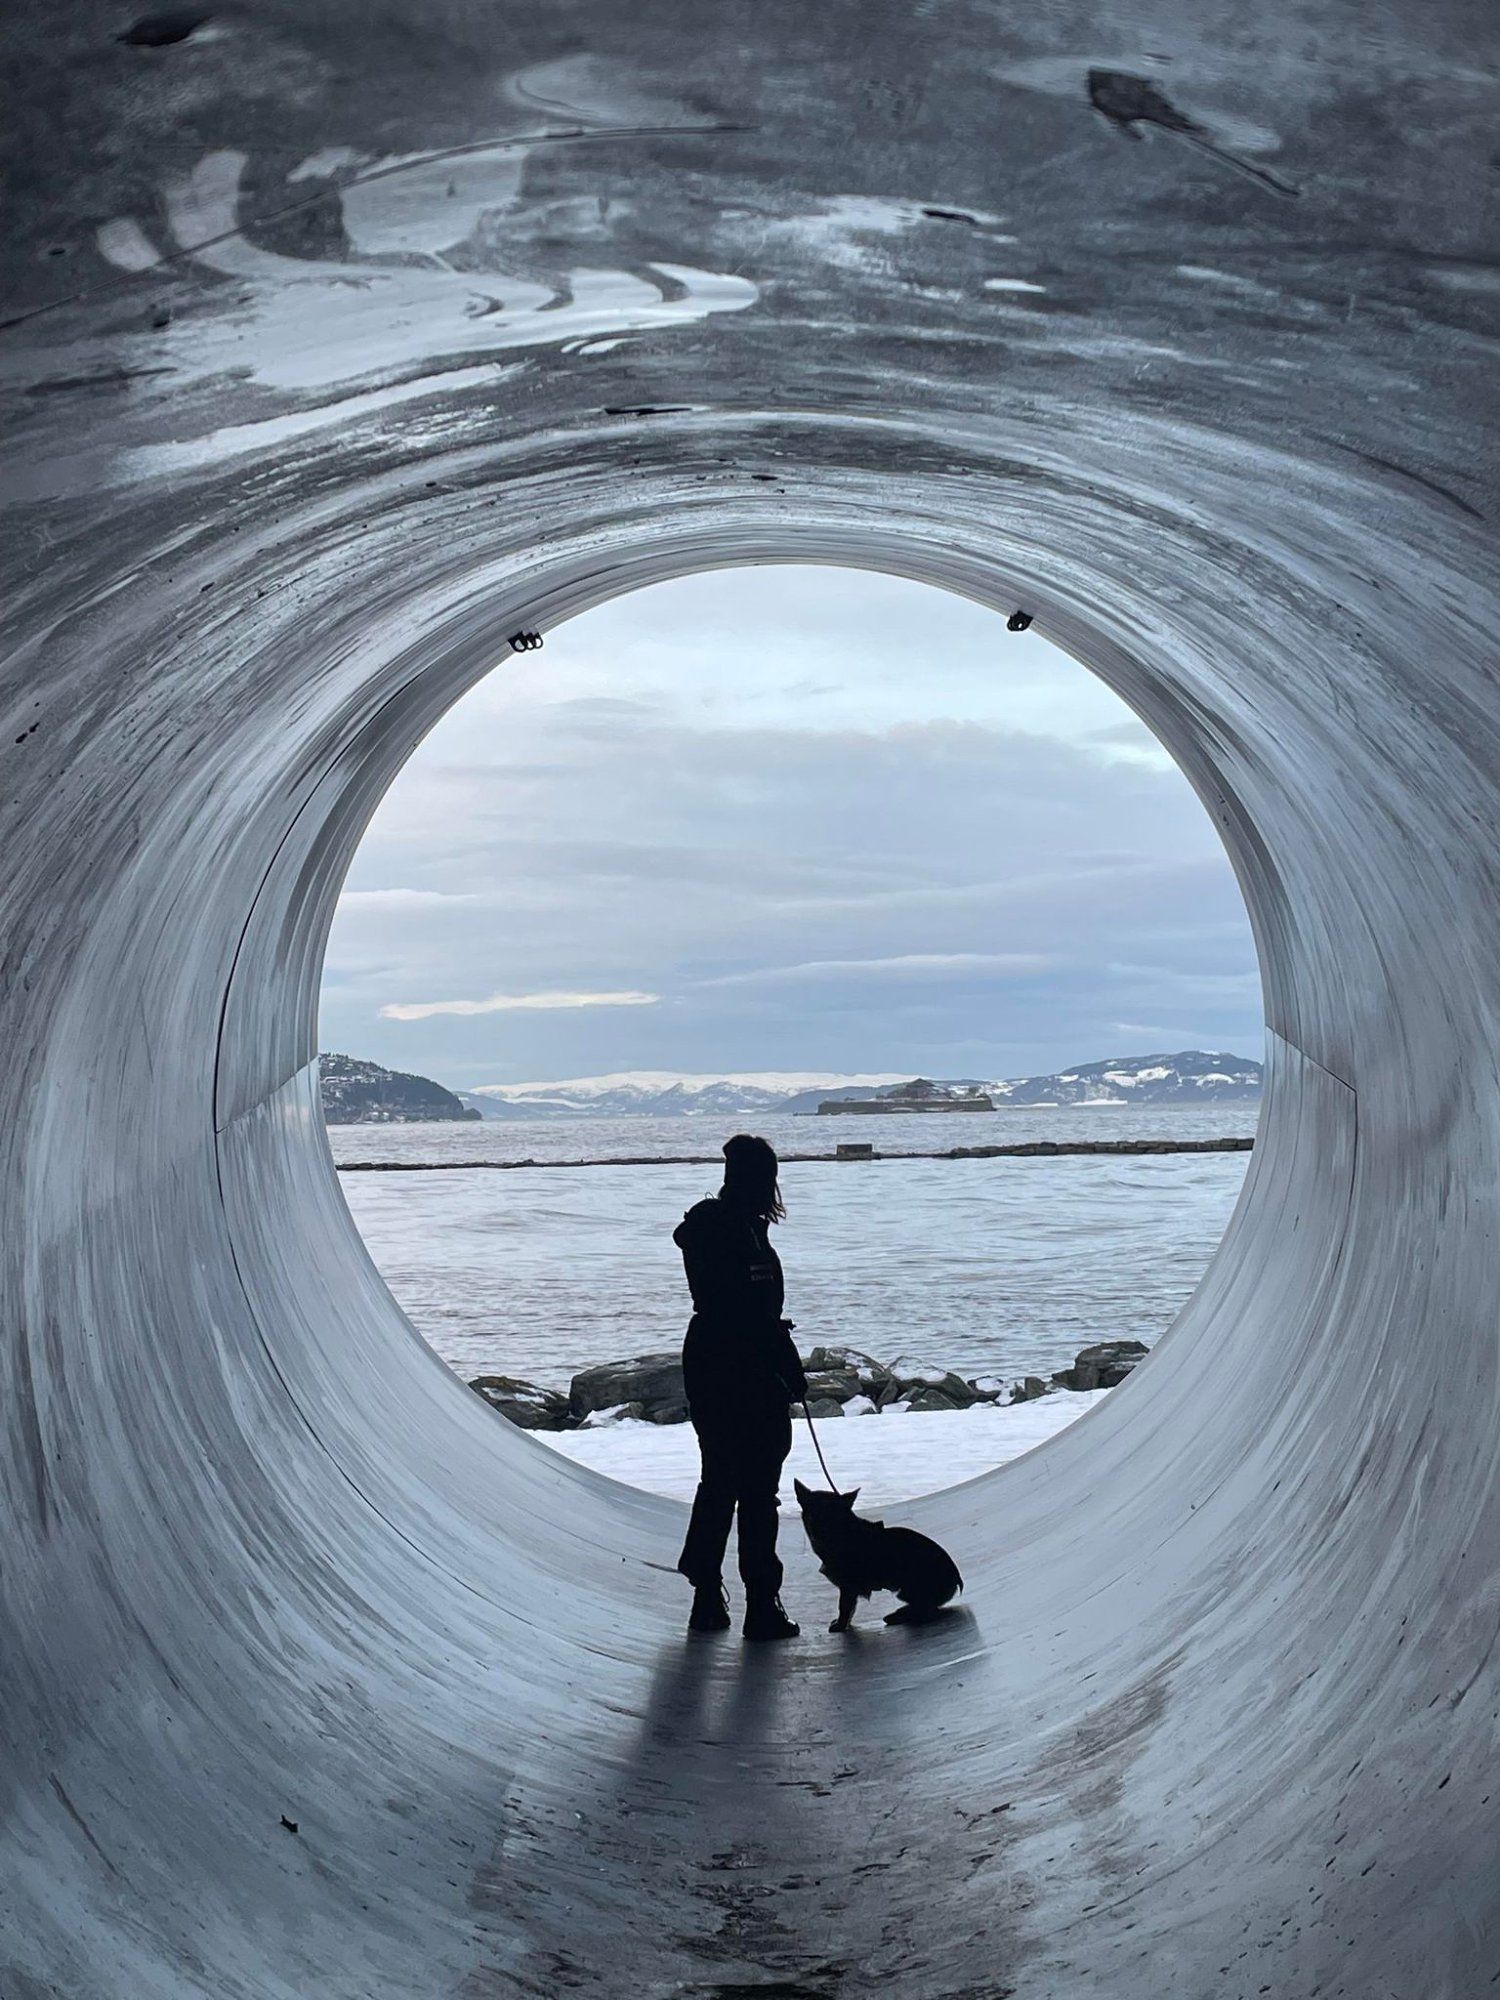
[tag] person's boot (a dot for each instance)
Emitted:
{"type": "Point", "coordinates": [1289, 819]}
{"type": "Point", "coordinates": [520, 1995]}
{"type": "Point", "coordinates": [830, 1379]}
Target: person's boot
{"type": "Point", "coordinates": [710, 1611]}
{"type": "Point", "coordinates": [765, 1618]}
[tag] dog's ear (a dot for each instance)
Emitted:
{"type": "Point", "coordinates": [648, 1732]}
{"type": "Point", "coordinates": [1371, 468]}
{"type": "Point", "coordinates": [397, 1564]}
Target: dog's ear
{"type": "Point", "coordinates": [850, 1498]}
{"type": "Point", "coordinates": [803, 1496]}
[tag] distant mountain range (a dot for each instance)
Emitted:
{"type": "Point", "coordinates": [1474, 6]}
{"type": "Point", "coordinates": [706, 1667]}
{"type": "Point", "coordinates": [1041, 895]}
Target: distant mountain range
{"type": "Point", "coordinates": [665, 1094]}
{"type": "Point", "coordinates": [1191, 1076]}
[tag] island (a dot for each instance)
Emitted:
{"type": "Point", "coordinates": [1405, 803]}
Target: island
{"type": "Point", "coordinates": [921, 1094]}
{"type": "Point", "coordinates": [363, 1093]}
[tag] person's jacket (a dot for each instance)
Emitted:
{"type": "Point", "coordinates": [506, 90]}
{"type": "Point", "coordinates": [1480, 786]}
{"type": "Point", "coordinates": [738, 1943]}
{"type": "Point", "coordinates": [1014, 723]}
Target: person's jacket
{"type": "Point", "coordinates": [738, 1346]}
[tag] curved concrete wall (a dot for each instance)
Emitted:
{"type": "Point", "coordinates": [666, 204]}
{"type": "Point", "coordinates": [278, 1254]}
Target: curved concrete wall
{"type": "Point", "coordinates": [455, 335]}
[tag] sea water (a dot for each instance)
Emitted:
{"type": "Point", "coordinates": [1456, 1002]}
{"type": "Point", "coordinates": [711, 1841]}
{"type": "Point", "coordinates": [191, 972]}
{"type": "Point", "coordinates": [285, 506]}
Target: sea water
{"type": "Point", "coordinates": [990, 1267]}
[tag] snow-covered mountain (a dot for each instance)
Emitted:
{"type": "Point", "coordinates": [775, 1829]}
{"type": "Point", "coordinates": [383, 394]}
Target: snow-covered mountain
{"type": "Point", "coordinates": [1192, 1076]}
{"type": "Point", "coordinates": [660, 1094]}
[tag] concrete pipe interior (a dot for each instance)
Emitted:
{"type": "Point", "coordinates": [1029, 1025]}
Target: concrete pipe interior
{"type": "Point", "coordinates": [317, 1678]}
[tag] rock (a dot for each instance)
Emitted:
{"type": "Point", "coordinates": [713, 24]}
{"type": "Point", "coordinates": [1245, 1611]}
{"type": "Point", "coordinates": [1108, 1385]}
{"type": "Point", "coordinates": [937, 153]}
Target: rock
{"type": "Point", "coordinates": [833, 1385]}
{"type": "Point", "coordinates": [524, 1403]}
{"type": "Point", "coordinates": [957, 1390]}
{"type": "Point", "coordinates": [1028, 1388]}
{"type": "Point", "coordinates": [929, 1397]}
{"type": "Point", "coordinates": [991, 1388]}
{"type": "Point", "coordinates": [652, 1380]}
{"type": "Point", "coordinates": [912, 1368]}
{"type": "Point", "coordinates": [622, 1413]}
{"type": "Point", "coordinates": [823, 1406]}
{"type": "Point", "coordinates": [911, 1376]}
{"type": "Point", "coordinates": [861, 1406]}
{"type": "Point", "coordinates": [1103, 1366]}
{"type": "Point", "coordinates": [872, 1373]}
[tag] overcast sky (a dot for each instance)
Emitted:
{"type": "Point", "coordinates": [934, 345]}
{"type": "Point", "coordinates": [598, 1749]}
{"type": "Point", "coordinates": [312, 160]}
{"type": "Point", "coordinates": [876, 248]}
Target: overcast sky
{"type": "Point", "coordinates": [787, 819]}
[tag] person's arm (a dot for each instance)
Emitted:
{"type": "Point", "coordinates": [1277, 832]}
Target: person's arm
{"type": "Point", "coordinates": [714, 1273]}
{"type": "Point", "coordinates": [788, 1363]}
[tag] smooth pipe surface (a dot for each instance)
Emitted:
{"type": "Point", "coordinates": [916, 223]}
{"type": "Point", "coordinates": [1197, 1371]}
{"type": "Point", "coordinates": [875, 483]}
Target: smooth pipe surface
{"type": "Point", "coordinates": [396, 336]}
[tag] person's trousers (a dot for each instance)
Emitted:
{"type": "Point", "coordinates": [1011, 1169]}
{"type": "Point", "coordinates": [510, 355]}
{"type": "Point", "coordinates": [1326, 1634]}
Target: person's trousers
{"type": "Point", "coordinates": [742, 1463]}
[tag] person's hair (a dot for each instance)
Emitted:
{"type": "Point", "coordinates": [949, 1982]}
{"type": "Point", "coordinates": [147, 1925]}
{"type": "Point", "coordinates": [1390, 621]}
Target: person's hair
{"type": "Point", "coordinates": [750, 1176]}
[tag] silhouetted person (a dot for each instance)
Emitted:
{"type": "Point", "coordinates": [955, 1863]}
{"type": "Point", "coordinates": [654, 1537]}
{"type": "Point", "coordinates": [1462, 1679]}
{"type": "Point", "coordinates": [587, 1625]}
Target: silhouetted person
{"type": "Point", "coordinates": [742, 1375]}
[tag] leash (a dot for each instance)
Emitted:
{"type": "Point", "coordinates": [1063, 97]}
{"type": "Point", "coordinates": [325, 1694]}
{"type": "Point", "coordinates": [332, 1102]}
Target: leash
{"type": "Point", "coordinates": [812, 1433]}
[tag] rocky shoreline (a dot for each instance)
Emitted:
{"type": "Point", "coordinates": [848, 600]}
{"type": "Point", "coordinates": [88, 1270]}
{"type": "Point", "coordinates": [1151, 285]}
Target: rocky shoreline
{"type": "Point", "coordinates": [841, 1382]}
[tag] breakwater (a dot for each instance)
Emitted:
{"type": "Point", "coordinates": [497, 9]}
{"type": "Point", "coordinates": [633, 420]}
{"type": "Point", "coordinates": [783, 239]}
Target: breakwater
{"type": "Point", "coordinates": [1031, 1149]}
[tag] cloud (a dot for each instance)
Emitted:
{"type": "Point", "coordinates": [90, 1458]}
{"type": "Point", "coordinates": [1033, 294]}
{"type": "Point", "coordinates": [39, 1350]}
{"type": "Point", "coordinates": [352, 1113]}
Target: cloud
{"type": "Point", "coordinates": [1131, 743]}
{"type": "Point", "coordinates": [1168, 980]}
{"type": "Point", "coordinates": [1170, 1039]}
{"type": "Point", "coordinates": [835, 821]}
{"type": "Point", "coordinates": [391, 902]}
{"type": "Point", "coordinates": [909, 965]}
{"type": "Point", "coordinates": [504, 1003]}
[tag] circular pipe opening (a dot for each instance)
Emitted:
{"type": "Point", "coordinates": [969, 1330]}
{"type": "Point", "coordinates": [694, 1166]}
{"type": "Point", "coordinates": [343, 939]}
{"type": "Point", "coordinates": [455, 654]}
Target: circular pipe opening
{"type": "Point", "coordinates": [408, 685]}
{"type": "Point", "coordinates": [902, 657]}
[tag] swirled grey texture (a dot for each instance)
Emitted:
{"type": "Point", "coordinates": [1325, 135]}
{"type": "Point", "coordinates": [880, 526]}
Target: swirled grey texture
{"type": "Point", "coordinates": [371, 340]}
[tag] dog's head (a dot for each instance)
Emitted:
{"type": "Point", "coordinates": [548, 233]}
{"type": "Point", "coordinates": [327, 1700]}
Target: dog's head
{"type": "Point", "coordinates": [824, 1510]}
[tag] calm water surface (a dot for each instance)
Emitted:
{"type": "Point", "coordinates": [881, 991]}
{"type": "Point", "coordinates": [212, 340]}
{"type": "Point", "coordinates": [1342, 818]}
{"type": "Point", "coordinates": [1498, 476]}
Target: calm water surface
{"type": "Point", "coordinates": [986, 1266]}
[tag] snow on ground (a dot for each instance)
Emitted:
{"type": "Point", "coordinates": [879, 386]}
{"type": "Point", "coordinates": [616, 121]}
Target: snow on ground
{"type": "Point", "coordinates": [894, 1457]}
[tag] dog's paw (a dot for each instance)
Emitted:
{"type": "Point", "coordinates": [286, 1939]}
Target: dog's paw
{"type": "Point", "coordinates": [839, 1625]}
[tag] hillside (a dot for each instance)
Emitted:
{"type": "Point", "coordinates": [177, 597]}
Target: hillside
{"type": "Point", "coordinates": [362, 1093]}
